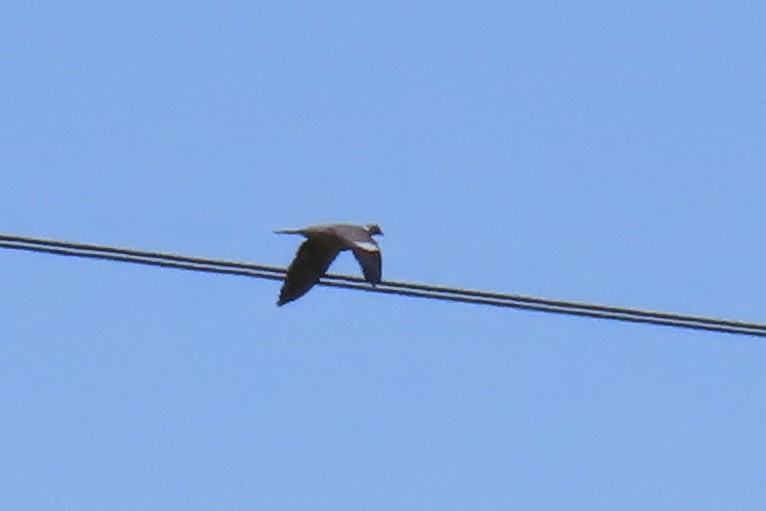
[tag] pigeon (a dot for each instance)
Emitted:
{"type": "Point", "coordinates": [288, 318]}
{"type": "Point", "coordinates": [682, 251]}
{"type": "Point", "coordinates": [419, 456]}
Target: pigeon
{"type": "Point", "coordinates": [323, 244]}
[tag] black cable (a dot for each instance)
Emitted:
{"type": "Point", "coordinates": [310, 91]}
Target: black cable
{"type": "Point", "coordinates": [175, 261]}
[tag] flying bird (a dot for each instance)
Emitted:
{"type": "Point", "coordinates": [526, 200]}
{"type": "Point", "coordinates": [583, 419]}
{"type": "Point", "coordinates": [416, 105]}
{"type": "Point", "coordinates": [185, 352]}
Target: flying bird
{"type": "Point", "coordinates": [323, 244]}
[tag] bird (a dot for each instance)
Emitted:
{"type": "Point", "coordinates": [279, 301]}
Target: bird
{"type": "Point", "coordinates": [323, 244]}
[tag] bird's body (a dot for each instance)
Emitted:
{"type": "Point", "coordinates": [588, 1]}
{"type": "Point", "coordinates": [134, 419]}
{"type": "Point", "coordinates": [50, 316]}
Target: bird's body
{"type": "Point", "coordinates": [322, 246]}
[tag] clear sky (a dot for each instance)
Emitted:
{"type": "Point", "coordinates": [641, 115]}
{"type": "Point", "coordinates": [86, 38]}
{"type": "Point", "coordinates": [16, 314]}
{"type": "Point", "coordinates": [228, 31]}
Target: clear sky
{"type": "Point", "coordinates": [607, 152]}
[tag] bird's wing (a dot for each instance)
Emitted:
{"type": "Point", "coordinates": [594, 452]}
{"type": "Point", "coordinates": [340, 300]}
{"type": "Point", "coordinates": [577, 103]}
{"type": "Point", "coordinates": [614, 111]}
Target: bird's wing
{"type": "Point", "coordinates": [310, 263]}
{"type": "Point", "coordinates": [367, 253]}
{"type": "Point", "coordinates": [364, 246]}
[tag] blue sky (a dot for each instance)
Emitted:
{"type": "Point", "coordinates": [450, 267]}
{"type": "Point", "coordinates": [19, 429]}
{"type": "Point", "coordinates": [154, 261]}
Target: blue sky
{"type": "Point", "coordinates": [593, 151]}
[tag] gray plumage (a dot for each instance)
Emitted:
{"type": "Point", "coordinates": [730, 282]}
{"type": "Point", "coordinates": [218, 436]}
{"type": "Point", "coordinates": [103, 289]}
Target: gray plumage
{"type": "Point", "coordinates": [322, 246]}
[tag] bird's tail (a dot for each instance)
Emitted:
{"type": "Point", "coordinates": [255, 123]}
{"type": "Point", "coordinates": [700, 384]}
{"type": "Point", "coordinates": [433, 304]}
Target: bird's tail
{"type": "Point", "coordinates": [288, 231]}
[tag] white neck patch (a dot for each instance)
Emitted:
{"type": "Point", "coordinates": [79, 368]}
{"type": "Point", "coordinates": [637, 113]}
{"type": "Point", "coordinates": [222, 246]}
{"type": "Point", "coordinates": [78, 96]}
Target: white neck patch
{"type": "Point", "coordinates": [367, 246]}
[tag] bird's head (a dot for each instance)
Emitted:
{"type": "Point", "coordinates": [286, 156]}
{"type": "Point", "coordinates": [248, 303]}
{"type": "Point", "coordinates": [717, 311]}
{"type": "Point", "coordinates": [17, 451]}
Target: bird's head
{"type": "Point", "coordinates": [373, 229]}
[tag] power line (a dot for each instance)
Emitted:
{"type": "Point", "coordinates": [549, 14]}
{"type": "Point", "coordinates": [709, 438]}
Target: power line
{"type": "Point", "coordinates": [219, 266]}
